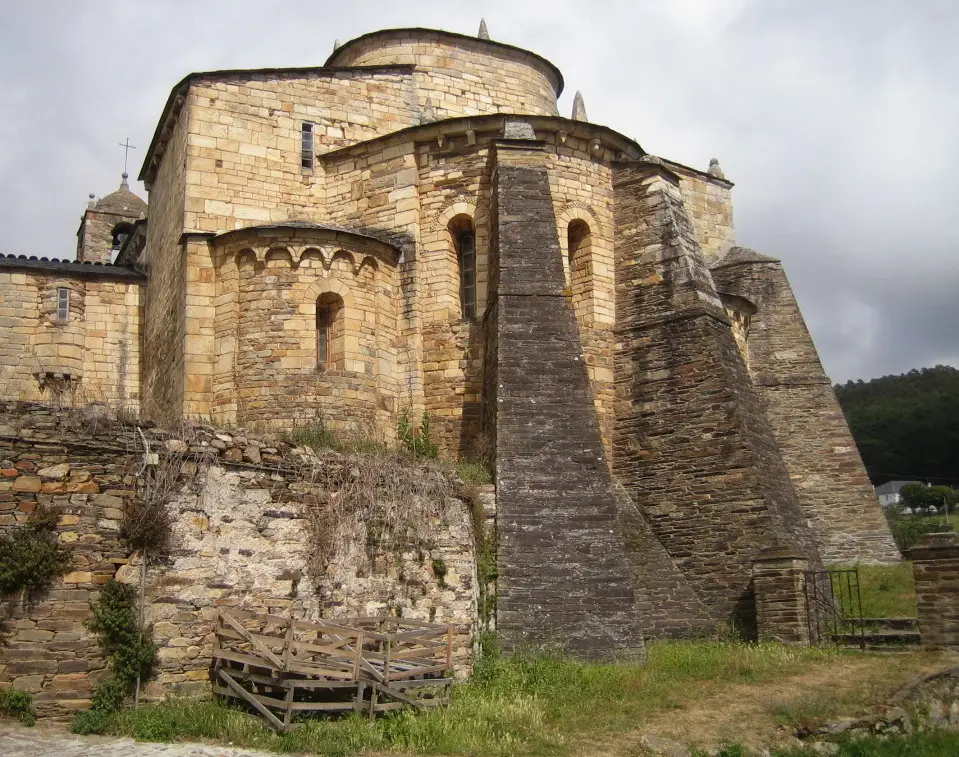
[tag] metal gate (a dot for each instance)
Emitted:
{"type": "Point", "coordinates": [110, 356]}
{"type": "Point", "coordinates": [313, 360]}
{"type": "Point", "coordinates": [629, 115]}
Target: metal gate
{"type": "Point", "coordinates": [834, 607]}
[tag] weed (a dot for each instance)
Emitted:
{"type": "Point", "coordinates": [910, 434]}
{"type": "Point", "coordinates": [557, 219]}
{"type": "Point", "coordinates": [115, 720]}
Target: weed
{"type": "Point", "coordinates": [439, 570]}
{"type": "Point", "coordinates": [30, 557]}
{"type": "Point", "coordinates": [89, 722]}
{"type": "Point", "coordinates": [17, 704]}
{"type": "Point", "coordinates": [473, 472]}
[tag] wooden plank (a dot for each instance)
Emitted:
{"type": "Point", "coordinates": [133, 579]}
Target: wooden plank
{"type": "Point", "coordinates": [250, 699]}
{"type": "Point", "coordinates": [229, 634]}
{"type": "Point", "coordinates": [243, 659]}
{"type": "Point", "coordinates": [419, 672]}
{"type": "Point", "coordinates": [344, 672]}
{"type": "Point", "coordinates": [297, 706]}
{"type": "Point", "coordinates": [449, 647]}
{"type": "Point", "coordinates": [438, 652]}
{"type": "Point", "coordinates": [249, 637]}
{"type": "Point", "coordinates": [391, 691]}
{"type": "Point", "coordinates": [357, 656]}
{"type": "Point", "coordinates": [386, 662]}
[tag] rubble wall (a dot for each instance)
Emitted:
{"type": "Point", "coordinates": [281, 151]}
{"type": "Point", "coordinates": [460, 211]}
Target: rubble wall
{"type": "Point", "coordinates": [241, 538]}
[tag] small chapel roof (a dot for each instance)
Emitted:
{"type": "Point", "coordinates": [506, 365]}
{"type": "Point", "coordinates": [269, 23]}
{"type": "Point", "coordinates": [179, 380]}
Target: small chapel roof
{"type": "Point", "coordinates": [122, 202]}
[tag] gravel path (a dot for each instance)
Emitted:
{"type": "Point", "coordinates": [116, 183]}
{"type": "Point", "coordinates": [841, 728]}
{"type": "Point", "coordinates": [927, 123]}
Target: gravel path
{"type": "Point", "coordinates": [47, 742]}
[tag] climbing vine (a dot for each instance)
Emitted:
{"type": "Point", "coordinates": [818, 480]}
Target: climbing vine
{"type": "Point", "coordinates": [129, 649]}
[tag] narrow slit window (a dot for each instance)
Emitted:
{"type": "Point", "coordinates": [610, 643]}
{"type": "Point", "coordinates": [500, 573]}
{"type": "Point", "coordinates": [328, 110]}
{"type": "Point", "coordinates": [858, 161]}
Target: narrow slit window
{"type": "Point", "coordinates": [466, 244]}
{"type": "Point", "coordinates": [322, 337]}
{"type": "Point", "coordinates": [306, 145]}
{"type": "Point", "coordinates": [63, 304]}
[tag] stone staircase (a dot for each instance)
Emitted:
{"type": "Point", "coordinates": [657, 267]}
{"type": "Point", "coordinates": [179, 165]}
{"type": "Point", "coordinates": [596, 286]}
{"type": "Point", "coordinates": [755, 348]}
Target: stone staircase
{"type": "Point", "coordinates": [882, 634]}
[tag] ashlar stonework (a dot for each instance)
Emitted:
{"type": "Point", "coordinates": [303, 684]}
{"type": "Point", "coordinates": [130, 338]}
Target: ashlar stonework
{"type": "Point", "coordinates": [411, 226]}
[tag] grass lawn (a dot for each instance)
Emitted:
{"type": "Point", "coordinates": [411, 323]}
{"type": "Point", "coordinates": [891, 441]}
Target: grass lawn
{"type": "Point", "coordinates": [887, 591]}
{"type": "Point", "coordinates": [702, 693]}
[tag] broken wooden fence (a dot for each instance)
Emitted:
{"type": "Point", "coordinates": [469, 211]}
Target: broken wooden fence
{"type": "Point", "coordinates": [280, 665]}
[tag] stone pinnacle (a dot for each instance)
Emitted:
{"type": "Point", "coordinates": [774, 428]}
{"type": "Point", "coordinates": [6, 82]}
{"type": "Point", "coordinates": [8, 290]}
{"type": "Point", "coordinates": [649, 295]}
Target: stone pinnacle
{"type": "Point", "coordinates": [124, 184]}
{"type": "Point", "coordinates": [483, 31]}
{"type": "Point", "coordinates": [336, 44]}
{"type": "Point", "coordinates": [714, 169]}
{"type": "Point", "coordinates": [579, 108]}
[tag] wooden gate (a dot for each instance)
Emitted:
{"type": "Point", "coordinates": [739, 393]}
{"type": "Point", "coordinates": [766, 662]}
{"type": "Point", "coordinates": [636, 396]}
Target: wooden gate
{"type": "Point", "coordinates": [280, 666]}
{"type": "Point", "coordinates": [834, 607]}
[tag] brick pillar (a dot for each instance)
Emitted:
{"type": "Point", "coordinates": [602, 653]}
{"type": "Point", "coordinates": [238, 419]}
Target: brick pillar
{"type": "Point", "coordinates": [935, 565]}
{"type": "Point", "coordinates": [778, 583]}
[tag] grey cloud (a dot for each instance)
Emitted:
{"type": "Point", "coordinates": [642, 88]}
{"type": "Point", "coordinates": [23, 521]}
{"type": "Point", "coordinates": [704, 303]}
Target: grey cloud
{"type": "Point", "coordinates": [835, 119]}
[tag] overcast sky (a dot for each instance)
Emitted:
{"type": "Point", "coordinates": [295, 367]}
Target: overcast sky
{"type": "Point", "coordinates": [837, 119]}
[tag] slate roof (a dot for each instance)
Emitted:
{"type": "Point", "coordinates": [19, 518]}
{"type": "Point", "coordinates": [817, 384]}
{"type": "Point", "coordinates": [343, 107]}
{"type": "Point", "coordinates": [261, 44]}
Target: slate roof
{"type": "Point", "coordinates": [70, 268]}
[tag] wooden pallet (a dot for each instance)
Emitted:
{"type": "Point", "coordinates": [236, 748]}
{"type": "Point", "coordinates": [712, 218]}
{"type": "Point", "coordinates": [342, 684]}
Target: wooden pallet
{"type": "Point", "coordinates": [280, 665]}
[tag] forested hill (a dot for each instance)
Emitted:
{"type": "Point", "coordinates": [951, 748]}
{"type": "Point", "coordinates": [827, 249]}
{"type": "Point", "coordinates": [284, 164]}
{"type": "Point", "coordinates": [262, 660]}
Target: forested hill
{"type": "Point", "coordinates": [907, 427]}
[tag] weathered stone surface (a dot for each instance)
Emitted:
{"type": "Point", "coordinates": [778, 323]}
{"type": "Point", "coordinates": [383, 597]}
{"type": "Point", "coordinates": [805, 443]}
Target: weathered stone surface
{"type": "Point", "coordinates": [835, 494]}
{"type": "Point", "coordinates": [693, 446]}
{"type": "Point", "coordinates": [240, 539]}
{"type": "Point", "coordinates": [59, 471]}
{"type": "Point", "coordinates": [563, 575]}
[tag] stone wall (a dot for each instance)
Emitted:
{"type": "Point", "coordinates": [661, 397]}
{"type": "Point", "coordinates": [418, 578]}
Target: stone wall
{"type": "Point", "coordinates": [164, 304]}
{"type": "Point", "coordinates": [92, 356]}
{"type": "Point", "coordinates": [457, 75]}
{"type": "Point", "coordinates": [692, 445]}
{"type": "Point", "coordinates": [267, 372]}
{"type": "Point", "coordinates": [935, 564]}
{"type": "Point", "coordinates": [708, 203]}
{"type": "Point", "coordinates": [240, 539]}
{"type": "Point", "coordinates": [563, 575]}
{"type": "Point", "coordinates": [834, 491]}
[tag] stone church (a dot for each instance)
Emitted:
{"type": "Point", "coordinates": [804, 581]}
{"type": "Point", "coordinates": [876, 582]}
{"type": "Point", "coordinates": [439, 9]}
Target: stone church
{"type": "Point", "coordinates": [412, 225]}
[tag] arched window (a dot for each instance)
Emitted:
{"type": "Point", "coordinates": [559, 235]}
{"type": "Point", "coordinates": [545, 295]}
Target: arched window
{"type": "Point", "coordinates": [120, 233]}
{"type": "Point", "coordinates": [329, 328]}
{"type": "Point", "coordinates": [578, 239]}
{"type": "Point", "coordinates": [464, 241]}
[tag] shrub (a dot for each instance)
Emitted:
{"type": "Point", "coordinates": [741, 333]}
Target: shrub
{"type": "Point", "coordinates": [907, 530]}
{"type": "Point", "coordinates": [17, 704]}
{"type": "Point", "coordinates": [30, 557]}
{"type": "Point", "coordinates": [129, 648]}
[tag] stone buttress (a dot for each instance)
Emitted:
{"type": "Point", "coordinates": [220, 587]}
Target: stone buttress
{"type": "Point", "coordinates": [563, 580]}
{"type": "Point", "coordinates": [827, 473]}
{"type": "Point", "coordinates": [692, 445]}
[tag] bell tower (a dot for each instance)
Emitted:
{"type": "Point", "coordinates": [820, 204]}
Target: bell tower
{"type": "Point", "coordinates": [107, 222]}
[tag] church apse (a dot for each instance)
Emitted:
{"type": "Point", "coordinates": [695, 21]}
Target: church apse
{"type": "Point", "coordinates": [305, 330]}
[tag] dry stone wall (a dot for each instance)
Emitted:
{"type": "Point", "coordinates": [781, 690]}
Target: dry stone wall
{"type": "Point", "coordinates": [241, 538]}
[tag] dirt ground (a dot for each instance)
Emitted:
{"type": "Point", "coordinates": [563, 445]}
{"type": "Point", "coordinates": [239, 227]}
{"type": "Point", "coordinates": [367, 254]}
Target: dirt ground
{"type": "Point", "coordinates": [767, 714]}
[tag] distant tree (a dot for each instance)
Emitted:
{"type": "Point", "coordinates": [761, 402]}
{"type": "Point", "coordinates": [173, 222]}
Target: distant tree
{"type": "Point", "coordinates": [906, 426]}
{"type": "Point", "coordinates": [918, 497]}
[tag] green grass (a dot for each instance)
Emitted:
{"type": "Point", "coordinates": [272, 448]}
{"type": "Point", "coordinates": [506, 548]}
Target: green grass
{"type": "Point", "coordinates": [887, 591]}
{"type": "Point", "coordinates": [524, 705]}
{"type": "Point", "coordinates": [473, 472]}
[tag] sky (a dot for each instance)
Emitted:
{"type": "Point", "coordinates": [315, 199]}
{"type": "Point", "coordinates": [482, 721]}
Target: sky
{"type": "Point", "coordinates": [838, 121]}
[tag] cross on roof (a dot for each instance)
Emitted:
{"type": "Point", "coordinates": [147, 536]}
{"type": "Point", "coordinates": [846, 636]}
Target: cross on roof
{"type": "Point", "coordinates": [126, 152]}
